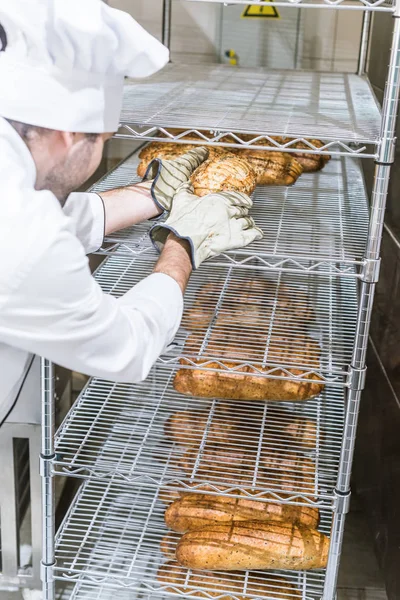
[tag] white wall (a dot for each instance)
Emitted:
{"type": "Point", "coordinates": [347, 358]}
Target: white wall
{"type": "Point", "coordinates": [194, 26]}
{"type": "Point", "coordinates": [329, 39]}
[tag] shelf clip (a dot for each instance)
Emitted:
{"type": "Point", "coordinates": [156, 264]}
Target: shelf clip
{"type": "Point", "coordinates": [387, 150]}
{"type": "Point", "coordinates": [342, 502]}
{"type": "Point", "coordinates": [47, 572]}
{"type": "Point", "coordinates": [356, 378]}
{"type": "Point", "coordinates": [371, 270]}
{"type": "Point", "coordinates": [46, 465]}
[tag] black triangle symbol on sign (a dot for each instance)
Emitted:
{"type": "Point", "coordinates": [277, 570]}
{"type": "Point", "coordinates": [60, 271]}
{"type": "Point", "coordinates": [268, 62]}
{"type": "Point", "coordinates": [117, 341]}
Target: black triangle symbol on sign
{"type": "Point", "coordinates": [267, 11]}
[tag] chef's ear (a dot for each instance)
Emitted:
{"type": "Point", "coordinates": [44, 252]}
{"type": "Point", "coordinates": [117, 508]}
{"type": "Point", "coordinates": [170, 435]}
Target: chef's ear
{"type": "Point", "coordinates": [68, 139]}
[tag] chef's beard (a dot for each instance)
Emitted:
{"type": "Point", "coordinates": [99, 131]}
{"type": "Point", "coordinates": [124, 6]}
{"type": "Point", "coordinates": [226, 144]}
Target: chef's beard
{"type": "Point", "coordinates": [70, 174]}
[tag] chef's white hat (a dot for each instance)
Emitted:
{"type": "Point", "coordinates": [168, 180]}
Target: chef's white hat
{"type": "Point", "coordinates": [63, 62]}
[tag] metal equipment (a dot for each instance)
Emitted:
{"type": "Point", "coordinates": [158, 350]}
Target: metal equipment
{"type": "Point", "coordinates": [321, 242]}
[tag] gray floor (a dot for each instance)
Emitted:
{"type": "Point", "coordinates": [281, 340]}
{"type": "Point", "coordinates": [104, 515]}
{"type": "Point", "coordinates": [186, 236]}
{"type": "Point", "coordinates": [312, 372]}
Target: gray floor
{"type": "Point", "coordinates": [360, 578]}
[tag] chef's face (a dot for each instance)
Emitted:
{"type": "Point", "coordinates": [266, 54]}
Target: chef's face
{"type": "Point", "coordinates": [76, 157]}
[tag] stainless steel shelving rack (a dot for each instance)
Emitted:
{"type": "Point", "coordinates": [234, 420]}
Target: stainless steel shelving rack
{"type": "Point", "coordinates": [322, 242]}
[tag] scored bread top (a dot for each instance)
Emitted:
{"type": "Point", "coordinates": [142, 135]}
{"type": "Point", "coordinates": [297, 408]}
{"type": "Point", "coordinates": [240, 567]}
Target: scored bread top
{"type": "Point", "coordinates": [224, 172]}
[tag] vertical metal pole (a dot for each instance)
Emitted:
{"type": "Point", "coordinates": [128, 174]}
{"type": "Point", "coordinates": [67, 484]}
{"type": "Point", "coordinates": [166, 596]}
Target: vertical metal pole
{"type": "Point", "coordinates": [166, 23]}
{"type": "Point", "coordinates": [334, 556]}
{"type": "Point", "coordinates": [297, 43]}
{"type": "Point", "coordinates": [364, 43]}
{"type": "Point", "coordinates": [47, 456]}
{"type": "Point", "coordinates": [379, 195]}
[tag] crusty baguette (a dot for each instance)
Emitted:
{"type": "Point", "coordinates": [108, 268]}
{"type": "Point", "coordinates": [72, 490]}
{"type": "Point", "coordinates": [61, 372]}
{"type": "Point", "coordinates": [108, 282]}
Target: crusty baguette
{"type": "Point", "coordinates": [286, 472]}
{"type": "Point", "coordinates": [292, 469]}
{"type": "Point", "coordinates": [232, 346]}
{"type": "Point", "coordinates": [206, 584]}
{"type": "Point", "coordinates": [168, 151]}
{"type": "Point", "coordinates": [272, 168]}
{"type": "Point", "coordinates": [309, 162]}
{"type": "Point", "coordinates": [167, 495]}
{"type": "Point", "coordinates": [250, 298]}
{"type": "Point", "coordinates": [168, 544]}
{"type": "Point", "coordinates": [253, 545]}
{"type": "Point", "coordinates": [224, 172]}
{"type": "Point", "coordinates": [215, 382]}
{"type": "Point", "coordinates": [187, 428]}
{"type": "Point", "coordinates": [220, 462]}
{"type": "Point", "coordinates": [194, 511]}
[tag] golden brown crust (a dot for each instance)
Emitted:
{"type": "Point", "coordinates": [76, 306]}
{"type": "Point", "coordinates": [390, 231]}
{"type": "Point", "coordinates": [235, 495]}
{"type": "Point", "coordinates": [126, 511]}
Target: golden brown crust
{"type": "Point", "coordinates": [168, 151]}
{"type": "Point", "coordinates": [310, 162]}
{"type": "Point", "coordinates": [168, 544]}
{"type": "Point", "coordinates": [224, 172]}
{"type": "Point", "coordinates": [230, 346]}
{"type": "Point", "coordinates": [276, 469]}
{"type": "Point", "coordinates": [223, 384]}
{"type": "Point", "coordinates": [187, 428]}
{"type": "Point", "coordinates": [194, 511]}
{"type": "Point", "coordinates": [272, 168]}
{"type": "Point", "coordinates": [253, 545]}
{"type": "Point", "coordinates": [246, 300]}
{"type": "Point", "coordinates": [206, 584]}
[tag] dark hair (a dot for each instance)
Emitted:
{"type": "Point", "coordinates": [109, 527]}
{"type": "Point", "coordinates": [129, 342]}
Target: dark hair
{"type": "Point", "coordinates": [28, 131]}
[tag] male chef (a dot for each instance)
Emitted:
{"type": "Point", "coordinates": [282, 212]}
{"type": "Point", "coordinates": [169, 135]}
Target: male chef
{"type": "Point", "coordinates": [62, 69]}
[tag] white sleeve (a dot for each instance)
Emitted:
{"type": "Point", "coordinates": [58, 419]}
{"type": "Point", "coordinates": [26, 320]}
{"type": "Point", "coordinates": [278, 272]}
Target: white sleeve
{"type": "Point", "coordinates": [60, 312]}
{"type": "Point", "coordinates": [86, 211]}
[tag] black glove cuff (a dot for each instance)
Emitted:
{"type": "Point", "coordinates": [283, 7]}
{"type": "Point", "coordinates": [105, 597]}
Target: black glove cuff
{"type": "Point", "coordinates": [159, 233]}
{"type": "Point", "coordinates": [153, 172]}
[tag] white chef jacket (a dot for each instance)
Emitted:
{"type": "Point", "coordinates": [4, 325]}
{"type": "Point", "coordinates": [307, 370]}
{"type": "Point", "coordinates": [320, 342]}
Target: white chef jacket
{"type": "Point", "coordinates": [50, 304]}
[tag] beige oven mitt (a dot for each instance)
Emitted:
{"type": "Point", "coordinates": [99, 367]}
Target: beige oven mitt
{"type": "Point", "coordinates": [212, 224]}
{"type": "Point", "coordinates": [168, 175]}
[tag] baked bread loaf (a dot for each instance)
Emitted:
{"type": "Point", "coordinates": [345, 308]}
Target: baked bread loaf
{"type": "Point", "coordinates": [187, 429]}
{"type": "Point", "coordinates": [224, 172]}
{"type": "Point", "coordinates": [253, 545]}
{"type": "Point", "coordinates": [220, 462]}
{"type": "Point", "coordinates": [205, 584]}
{"type": "Point", "coordinates": [292, 470]}
{"type": "Point", "coordinates": [231, 347]}
{"type": "Point", "coordinates": [309, 162]}
{"type": "Point", "coordinates": [249, 299]}
{"type": "Point", "coordinates": [194, 511]}
{"type": "Point", "coordinates": [272, 168]}
{"type": "Point", "coordinates": [284, 471]}
{"type": "Point", "coordinates": [168, 151]}
{"type": "Point", "coordinates": [168, 544]}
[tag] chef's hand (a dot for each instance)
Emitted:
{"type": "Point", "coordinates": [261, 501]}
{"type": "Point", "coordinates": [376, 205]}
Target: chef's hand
{"type": "Point", "coordinates": [212, 224]}
{"type": "Point", "coordinates": [168, 175]}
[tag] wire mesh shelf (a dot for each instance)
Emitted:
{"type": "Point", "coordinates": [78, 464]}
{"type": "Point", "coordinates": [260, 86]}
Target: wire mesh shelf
{"type": "Point", "coordinates": [112, 535]}
{"type": "Point", "coordinates": [367, 5]}
{"type": "Point", "coordinates": [264, 324]}
{"type": "Point", "coordinates": [319, 225]}
{"type": "Point", "coordinates": [339, 109]}
{"type": "Point", "coordinates": [149, 434]}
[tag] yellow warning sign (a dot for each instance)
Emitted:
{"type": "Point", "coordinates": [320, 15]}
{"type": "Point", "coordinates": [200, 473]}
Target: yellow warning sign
{"type": "Point", "coordinates": [265, 11]}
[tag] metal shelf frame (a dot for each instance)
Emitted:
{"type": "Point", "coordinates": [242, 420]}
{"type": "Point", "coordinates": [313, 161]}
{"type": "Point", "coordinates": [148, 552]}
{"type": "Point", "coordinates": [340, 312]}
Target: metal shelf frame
{"type": "Point", "coordinates": [298, 106]}
{"type": "Point", "coordinates": [364, 5]}
{"type": "Point", "coordinates": [114, 437]}
{"type": "Point", "coordinates": [136, 417]}
{"type": "Point", "coordinates": [331, 238]}
{"type": "Point", "coordinates": [112, 535]}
